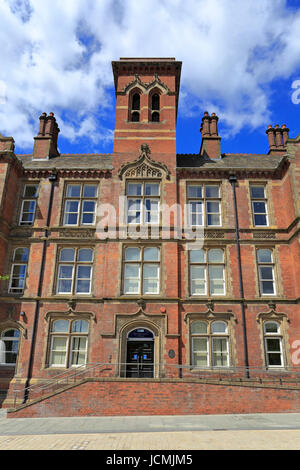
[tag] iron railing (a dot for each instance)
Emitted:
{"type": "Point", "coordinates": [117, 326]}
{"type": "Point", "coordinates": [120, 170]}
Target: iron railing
{"type": "Point", "coordinates": [73, 376]}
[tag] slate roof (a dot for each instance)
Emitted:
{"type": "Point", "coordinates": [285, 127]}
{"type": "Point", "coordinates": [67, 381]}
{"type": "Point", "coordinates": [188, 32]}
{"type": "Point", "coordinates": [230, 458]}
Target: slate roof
{"type": "Point", "coordinates": [105, 162]}
{"type": "Point", "coordinates": [69, 161]}
{"type": "Point", "coordinates": [231, 161]}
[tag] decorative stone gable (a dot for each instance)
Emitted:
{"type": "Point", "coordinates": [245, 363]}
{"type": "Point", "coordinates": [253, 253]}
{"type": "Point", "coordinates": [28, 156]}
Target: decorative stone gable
{"type": "Point", "coordinates": [145, 87]}
{"type": "Point", "coordinates": [144, 167]}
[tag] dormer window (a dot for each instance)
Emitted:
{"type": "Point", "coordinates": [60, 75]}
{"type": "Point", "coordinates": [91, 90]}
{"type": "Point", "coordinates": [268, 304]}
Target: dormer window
{"type": "Point", "coordinates": [155, 108]}
{"type": "Point", "coordinates": [134, 114]}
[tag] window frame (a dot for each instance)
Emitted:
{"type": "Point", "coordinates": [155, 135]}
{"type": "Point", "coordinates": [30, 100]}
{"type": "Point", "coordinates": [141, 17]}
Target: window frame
{"type": "Point", "coordinates": [141, 263]}
{"type": "Point", "coordinates": [81, 199]}
{"type": "Point", "coordinates": [28, 199]}
{"type": "Point", "coordinates": [207, 264]}
{"type": "Point", "coordinates": [153, 110]}
{"type": "Point", "coordinates": [134, 112]}
{"type": "Point", "coordinates": [263, 200]}
{"type": "Point", "coordinates": [204, 200]}
{"type": "Point", "coordinates": [210, 336]}
{"type": "Point", "coordinates": [69, 336]}
{"type": "Point", "coordinates": [14, 263]}
{"type": "Point", "coordinates": [269, 265]}
{"type": "Point", "coordinates": [12, 339]}
{"type": "Point", "coordinates": [142, 198]}
{"type": "Point", "coordinates": [277, 336]}
{"type": "Point", "coordinates": [75, 264]}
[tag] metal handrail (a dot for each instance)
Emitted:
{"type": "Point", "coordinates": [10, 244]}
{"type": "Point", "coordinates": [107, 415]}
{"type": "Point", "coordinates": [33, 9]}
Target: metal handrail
{"type": "Point", "coordinates": [282, 374]}
{"type": "Point", "coordinates": [65, 377]}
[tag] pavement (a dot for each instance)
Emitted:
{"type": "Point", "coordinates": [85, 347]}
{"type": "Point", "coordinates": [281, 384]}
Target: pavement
{"type": "Point", "coordinates": [275, 431]}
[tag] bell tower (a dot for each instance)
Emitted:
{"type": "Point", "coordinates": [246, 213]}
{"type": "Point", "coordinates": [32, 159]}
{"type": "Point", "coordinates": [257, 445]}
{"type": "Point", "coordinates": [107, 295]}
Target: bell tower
{"type": "Point", "coordinates": [147, 93]}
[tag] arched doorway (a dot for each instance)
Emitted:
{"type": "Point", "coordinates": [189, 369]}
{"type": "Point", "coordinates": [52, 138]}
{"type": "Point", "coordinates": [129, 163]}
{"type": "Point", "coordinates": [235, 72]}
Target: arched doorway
{"type": "Point", "coordinates": [140, 353]}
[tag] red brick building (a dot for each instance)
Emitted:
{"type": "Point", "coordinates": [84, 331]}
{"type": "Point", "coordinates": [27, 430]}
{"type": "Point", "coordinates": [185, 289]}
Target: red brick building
{"type": "Point", "coordinates": [146, 281]}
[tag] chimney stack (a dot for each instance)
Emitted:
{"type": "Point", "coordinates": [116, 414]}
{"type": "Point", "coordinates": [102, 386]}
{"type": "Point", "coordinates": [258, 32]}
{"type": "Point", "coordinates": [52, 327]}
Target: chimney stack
{"type": "Point", "coordinates": [211, 141]}
{"type": "Point", "coordinates": [277, 137]}
{"type": "Point", "coordinates": [45, 144]}
{"type": "Point", "coordinates": [285, 134]}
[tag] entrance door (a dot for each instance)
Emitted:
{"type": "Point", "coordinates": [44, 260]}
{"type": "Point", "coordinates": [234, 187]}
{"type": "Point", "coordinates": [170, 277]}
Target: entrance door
{"type": "Point", "coordinates": [140, 354]}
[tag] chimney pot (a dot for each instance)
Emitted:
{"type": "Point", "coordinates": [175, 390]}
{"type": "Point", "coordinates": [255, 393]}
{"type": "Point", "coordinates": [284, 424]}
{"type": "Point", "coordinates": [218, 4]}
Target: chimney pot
{"type": "Point", "coordinates": [210, 145]}
{"type": "Point", "coordinates": [271, 137]}
{"type": "Point", "coordinates": [214, 124]}
{"type": "Point", "coordinates": [278, 136]}
{"type": "Point", "coordinates": [285, 134]}
{"type": "Point", "coordinates": [205, 130]}
{"type": "Point", "coordinates": [45, 145]}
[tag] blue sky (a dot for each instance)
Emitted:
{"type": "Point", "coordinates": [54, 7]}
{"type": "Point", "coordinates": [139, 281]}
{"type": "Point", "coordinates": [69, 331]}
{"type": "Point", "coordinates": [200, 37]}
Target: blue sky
{"type": "Point", "coordinates": [241, 59]}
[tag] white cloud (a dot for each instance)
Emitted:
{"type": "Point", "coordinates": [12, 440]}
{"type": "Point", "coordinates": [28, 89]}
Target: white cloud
{"type": "Point", "coordinates": [56, 56]}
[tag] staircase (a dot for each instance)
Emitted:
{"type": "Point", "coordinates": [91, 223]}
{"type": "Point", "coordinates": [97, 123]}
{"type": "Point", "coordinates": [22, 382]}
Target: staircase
{"type": "Point", "coordinates": [100, 372]}
{"type": "Point", "coordinates": [59, 383]}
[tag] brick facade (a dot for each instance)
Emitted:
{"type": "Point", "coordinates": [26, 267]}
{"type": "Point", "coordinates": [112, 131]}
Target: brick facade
{"type": "Point", "coordinates": [252, 301]}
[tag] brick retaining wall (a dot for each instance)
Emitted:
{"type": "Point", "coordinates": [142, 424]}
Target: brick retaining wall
{"type": "Point", "coordinates": [130, 398]}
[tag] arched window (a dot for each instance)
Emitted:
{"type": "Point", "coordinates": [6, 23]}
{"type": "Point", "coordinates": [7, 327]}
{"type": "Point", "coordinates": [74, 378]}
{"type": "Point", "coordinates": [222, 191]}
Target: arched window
{"type": "Point", "coordinates": [154, 108]}
{"type": "Point", "coordinates": [9, 346]}
{"type": "Point", "coordinates": [210, 344]}
{"type": "Point", "coordinates": [140, 333]}
{"type": "Point", "coordinates": [155, 102]}
{"type": "Point", "coordinates": [136, 102]}
{"type": "Point", "coordinates": [134, 107]}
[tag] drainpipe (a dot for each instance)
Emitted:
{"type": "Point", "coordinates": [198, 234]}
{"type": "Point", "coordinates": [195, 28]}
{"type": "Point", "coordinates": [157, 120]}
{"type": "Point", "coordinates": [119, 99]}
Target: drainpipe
{"type": "Point", "coordinates": [233, 181]}
{"type": "Point", "coordinates": [52, 179]}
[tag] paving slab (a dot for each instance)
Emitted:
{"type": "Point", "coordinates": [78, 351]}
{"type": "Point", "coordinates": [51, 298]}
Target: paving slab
{"type": "Point", "coordinates": [148, 424]}
{"type": "Point", "coordinates": [158, 441]}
